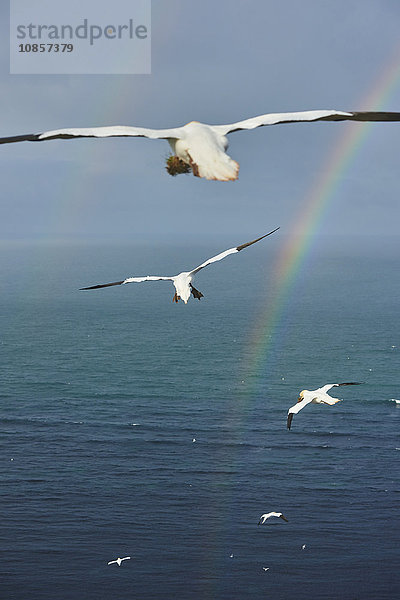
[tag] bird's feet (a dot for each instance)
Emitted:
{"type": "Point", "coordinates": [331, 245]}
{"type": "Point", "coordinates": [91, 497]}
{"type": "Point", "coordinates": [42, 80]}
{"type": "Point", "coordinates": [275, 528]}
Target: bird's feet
{"type": "Point", "coordinates": [195, 292]}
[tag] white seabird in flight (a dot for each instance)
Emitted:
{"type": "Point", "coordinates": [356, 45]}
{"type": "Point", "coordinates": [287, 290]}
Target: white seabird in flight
{"type": "Point", "coordinates": [182, 281]}
{"type": "Point", "coordinates": [266, 516]}
{"type": "Point", "coordinates": [319, 396]}
{"type": "Point", "coordinates": [118, 561]}
{"type": "Point", "coordinates": [200, 147]}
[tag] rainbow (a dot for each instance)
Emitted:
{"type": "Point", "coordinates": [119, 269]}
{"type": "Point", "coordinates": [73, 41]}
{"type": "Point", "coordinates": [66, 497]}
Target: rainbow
{"type": "Point", "coordinates": [269, 330]}
{"type": "Point", "coordinates": [294, 255]}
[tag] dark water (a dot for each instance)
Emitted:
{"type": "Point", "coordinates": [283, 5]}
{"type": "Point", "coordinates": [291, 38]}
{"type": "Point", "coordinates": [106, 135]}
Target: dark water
{"type": "Point", "coordinates": [103, 392]}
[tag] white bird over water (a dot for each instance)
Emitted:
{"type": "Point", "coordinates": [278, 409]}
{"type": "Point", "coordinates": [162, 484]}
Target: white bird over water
{"type": "Point", "coordinates": [319, 396]}
{"type": "Point", "coordinates": [183, 281]}
{"type": "Point", "coordinates": [118, 561]}
{"type": "Point", "coordinates": [199, 147]}
{"type": "Point", "coordinates": [266, 516]}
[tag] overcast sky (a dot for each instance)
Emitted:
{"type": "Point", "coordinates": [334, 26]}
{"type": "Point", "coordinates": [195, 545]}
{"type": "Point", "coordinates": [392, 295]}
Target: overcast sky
{"type": "Point", "coordinates": [217, 62]}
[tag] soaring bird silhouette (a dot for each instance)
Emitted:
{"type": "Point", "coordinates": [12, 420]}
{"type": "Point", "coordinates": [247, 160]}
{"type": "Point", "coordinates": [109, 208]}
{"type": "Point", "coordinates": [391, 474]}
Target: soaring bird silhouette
{"type": "Point", "coordinates": [118, 561]}
{"type": "Point", "coordinates": [266, 516]}
{"type": "Point", "coordinates": [319, 396]}
{"type": "Point", "coordinates": [183, 281]}
{"type": "Point", "coordinates": [199, 147]}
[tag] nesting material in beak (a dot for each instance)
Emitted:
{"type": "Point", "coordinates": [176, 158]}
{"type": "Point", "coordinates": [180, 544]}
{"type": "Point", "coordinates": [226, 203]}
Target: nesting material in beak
{"type": "Point", "coordinates": [176, 166]}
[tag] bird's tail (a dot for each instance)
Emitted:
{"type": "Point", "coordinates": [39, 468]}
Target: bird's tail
{"type": "Point", "coordinates": [214, 164]}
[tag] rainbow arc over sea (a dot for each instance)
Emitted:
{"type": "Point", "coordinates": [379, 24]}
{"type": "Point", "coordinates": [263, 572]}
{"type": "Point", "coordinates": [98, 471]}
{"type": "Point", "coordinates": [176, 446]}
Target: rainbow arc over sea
{"type": "Point", "coordinates": [293, 257]}
{"type": "Point", "coordinates": [267, 336]}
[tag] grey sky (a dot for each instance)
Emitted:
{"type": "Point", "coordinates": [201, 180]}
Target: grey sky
{"type": "Point", "coordinates": [216, 62]}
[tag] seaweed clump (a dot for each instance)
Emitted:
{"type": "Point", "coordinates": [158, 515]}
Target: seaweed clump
{"type": "Point", "coordinates": [176, 166]}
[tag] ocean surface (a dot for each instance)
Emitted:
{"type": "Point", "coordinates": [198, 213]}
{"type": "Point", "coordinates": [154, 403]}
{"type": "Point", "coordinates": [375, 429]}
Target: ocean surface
{"type": "Point", "coordinates": [131, 426]}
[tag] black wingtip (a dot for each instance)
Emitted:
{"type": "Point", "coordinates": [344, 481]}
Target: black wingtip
{"type": "Point", "coordinates": [30, 137]}
{"type": "Point", "coordinates": [376, 116]}
{"type": "Point", "coordinates": [289, 420]}
{"type": "Point", "coordinates": [352, 383]}
{"type": "Point", "coordinates": [239, 248]}
{"type": "Point", "coordinates": [103, 285]}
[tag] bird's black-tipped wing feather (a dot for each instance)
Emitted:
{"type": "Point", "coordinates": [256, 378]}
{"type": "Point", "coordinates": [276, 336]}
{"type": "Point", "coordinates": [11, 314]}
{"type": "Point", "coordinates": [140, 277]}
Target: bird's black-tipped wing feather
{"type": "Point", "coordinates": [289, 420]}
{"type": "Point", "coordinates": [96, 132]}
{"type": "Point", "coordinates": [102, 285]}
{"type": "Point", "coordinates": [129, 280]}
{"type": "Point", "coordinates": [230, 251]}
{"type": "Point", "coordinates": [239, 248]}
{"type": "Point", "coordinates": [307, 116]}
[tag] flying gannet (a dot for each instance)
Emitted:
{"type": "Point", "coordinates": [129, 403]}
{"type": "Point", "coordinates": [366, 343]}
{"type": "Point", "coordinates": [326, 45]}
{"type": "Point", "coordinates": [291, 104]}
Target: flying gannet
{"type": "Point", "coordinates": [199, 147]}
{"type": "Point", "coordinates": [182, 281]}
{"type": "Point", "coordinates": [118, 561]}
{"type": "Point", "coordinates": [266, 516]}
{"type": "Point", "coordinates": [319, 396]}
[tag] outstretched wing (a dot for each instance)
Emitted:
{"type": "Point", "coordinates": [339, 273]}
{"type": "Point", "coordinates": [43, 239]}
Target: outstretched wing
{"type": "Point", "coordinates": [293, 410]}
{"type": "Point", "coordinates": [128, 280]}
{"type": "Point", "coordinates": [228, 252]}
{"type": "Point", "coordinates": [328, 386]}
{"type": "Point", "coordinates": [97, 132]}
{"type": "Point", "coordinates": [308, 115]}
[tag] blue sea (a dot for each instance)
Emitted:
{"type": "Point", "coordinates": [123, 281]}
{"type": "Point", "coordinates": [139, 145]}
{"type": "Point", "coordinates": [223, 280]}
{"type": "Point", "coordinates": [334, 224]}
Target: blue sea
{"type": "Point", "coordinates": [131, 426]}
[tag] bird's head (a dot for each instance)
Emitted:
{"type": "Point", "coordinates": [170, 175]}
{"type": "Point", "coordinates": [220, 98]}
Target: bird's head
{"type": "Point", "coordinates": [301, 396]}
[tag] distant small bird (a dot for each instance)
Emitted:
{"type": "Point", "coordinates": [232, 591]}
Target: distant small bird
{"type": "Point", "coordinates": [199, 147]}
{"type": "Point", "coordinates": [183, 281]}
{"type": "Point", "coordinates": [194, 439]}
{"type": "Point", "coordinates": [265, 568]}
{"type": "Point", "coordinates": [231, 555]}
{"type": "Point", "coordinates": [319, 396]}
{"type": "Point", "coordinates": [266, 516]}
{"type": "Point", "coordinates": [303, 547]}
{"type": "Point", "coordinates": [395, 400]}
{"type": "Point", "coordinates": [118, 560]}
